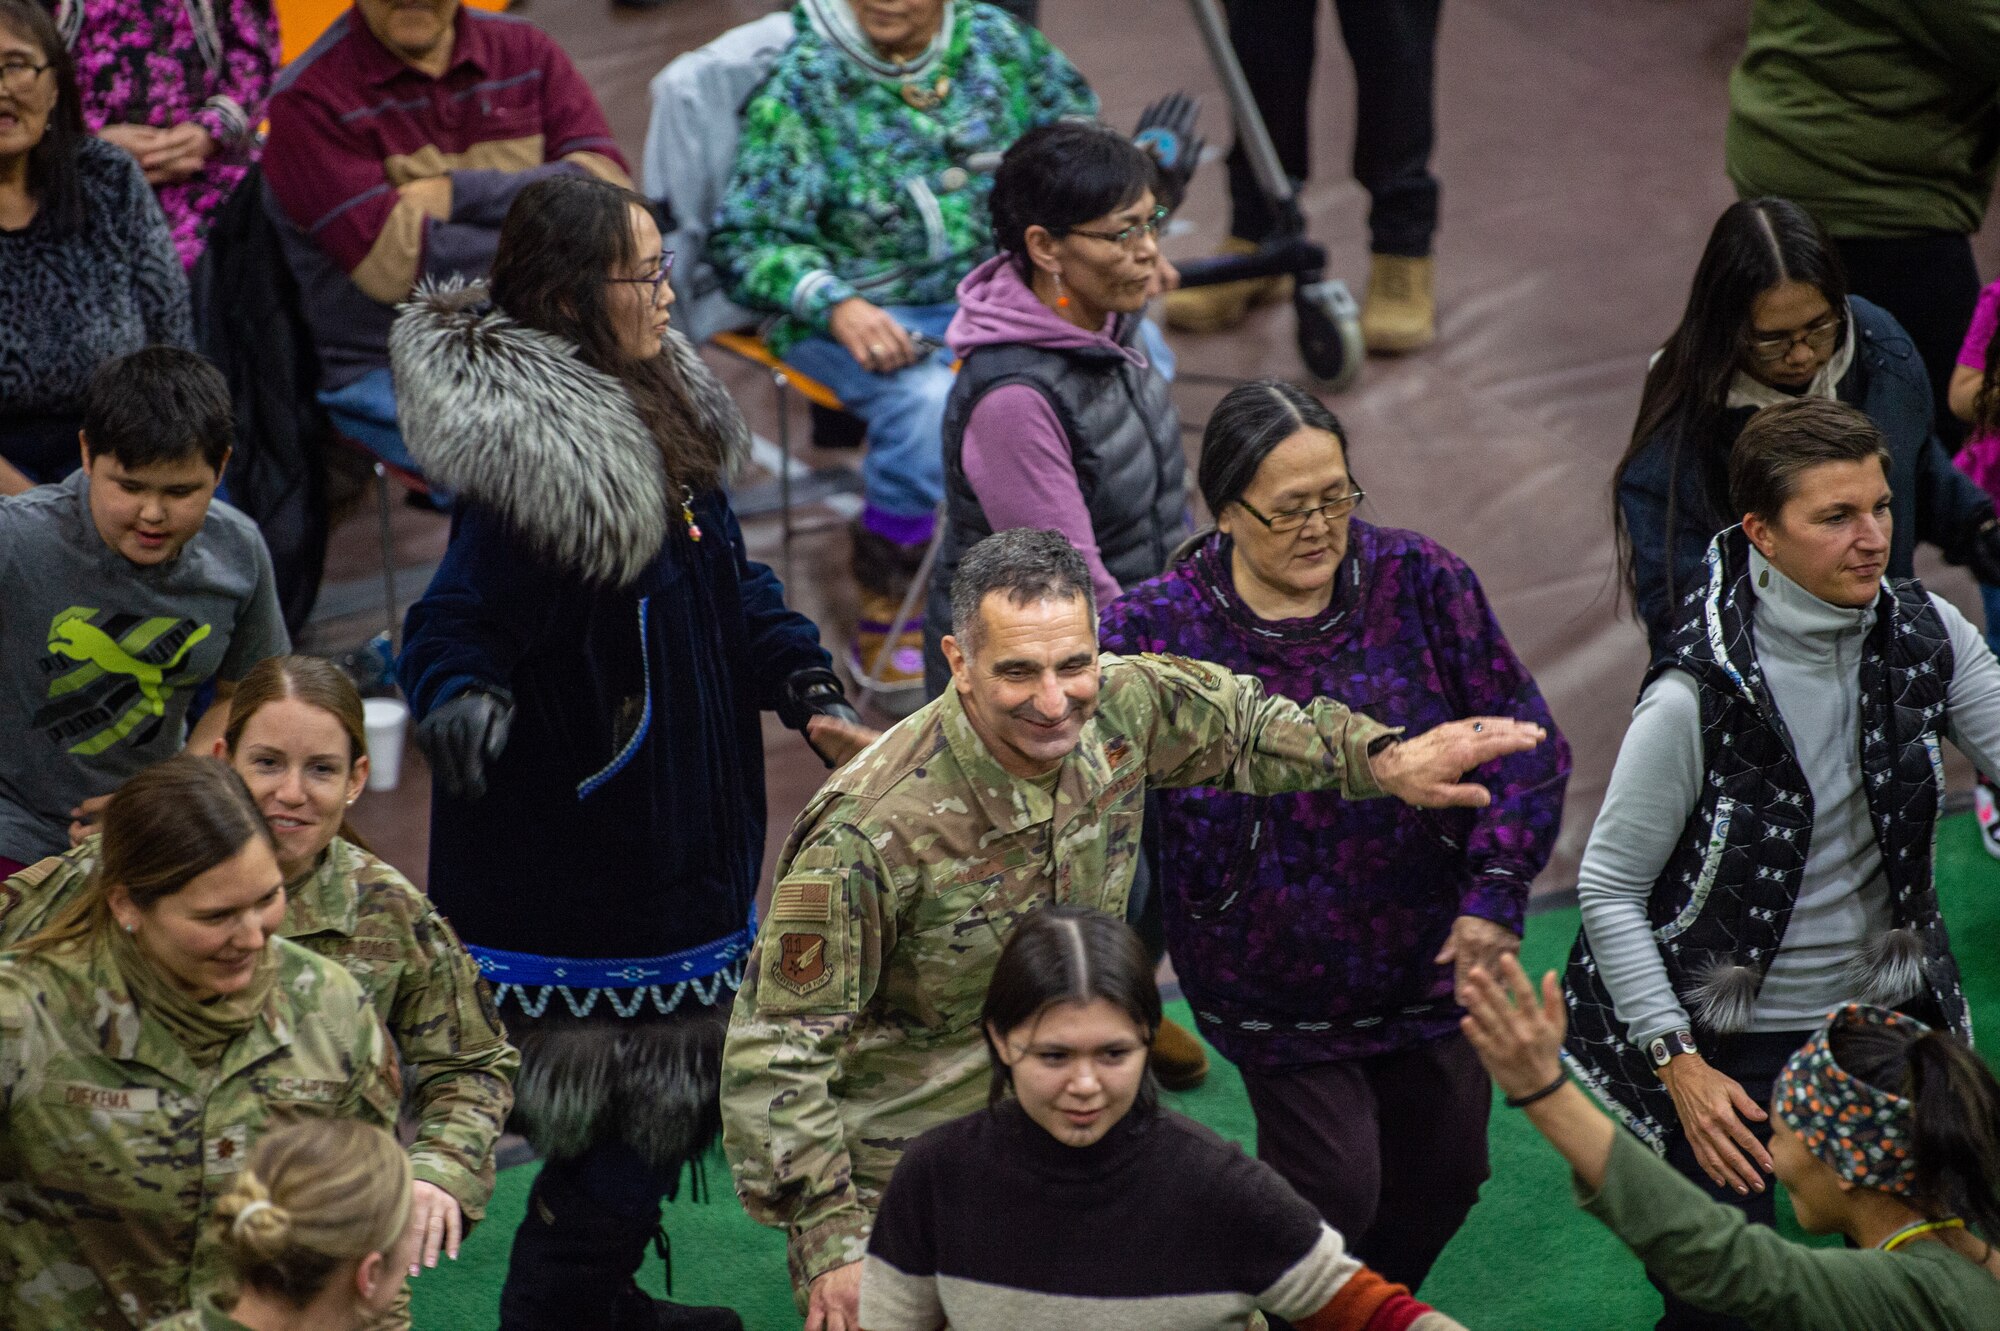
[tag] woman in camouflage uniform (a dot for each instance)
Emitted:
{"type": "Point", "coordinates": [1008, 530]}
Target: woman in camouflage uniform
{"type": "Point", "coordinates": [148, 1038]}
{"type": "Point", "coordinates": [317, 1230]}
{"type": "Point", "coordinates": [296, 738]}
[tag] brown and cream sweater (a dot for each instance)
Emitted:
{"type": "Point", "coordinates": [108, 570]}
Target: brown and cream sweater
{"type": "Point", "coordinates": [990, 1224]}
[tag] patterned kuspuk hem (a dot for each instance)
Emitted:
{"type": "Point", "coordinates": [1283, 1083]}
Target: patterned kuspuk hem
{"type": "Point", "coordinates": [626, 984]}
{"type": "Point", "coordinates": [624, 1002]}
{"type": "Point", "coordinates": [1259, 1026]}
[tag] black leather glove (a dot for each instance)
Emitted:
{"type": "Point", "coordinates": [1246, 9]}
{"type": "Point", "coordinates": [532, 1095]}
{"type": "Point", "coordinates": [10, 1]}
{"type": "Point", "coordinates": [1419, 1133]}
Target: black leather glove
{"type": "Point", "coordinates": [464, 736]}
{"type": "Point", "coordinates": [815, 692]}
{"type": "Point", "coordinates": [1984, 556]}
{"type": "Point", "coordinates": [1166, 133]}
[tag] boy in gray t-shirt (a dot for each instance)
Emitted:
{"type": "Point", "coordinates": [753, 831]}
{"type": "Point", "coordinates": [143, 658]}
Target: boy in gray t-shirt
{"type": "Point", "coordinates": [122, 591]}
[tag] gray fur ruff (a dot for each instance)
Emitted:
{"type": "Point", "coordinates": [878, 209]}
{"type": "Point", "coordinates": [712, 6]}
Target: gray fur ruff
{"type": "Point", "coordinates": [512, 418]}
{"type": "Point", "coordinates": [654, 1085]}
{"type": "Point", "coordinates": [1890, 969]}
{"type": "Point", "coordinates": [1725, 996]}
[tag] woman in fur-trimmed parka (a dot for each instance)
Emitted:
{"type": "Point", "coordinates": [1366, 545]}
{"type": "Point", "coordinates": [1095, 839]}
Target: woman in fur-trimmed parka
{"type": "Point", "coordinates": [588, 667]}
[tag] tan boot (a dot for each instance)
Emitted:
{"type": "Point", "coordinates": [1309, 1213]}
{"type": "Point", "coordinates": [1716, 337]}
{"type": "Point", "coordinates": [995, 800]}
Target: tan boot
{"type": "Point", "coordinates": [1178, 1059]}
{"type": "Point", "coordinates": [903, 667]}
{"type": "Point", "coordinates": [1400, 313]}
{"type": "Point", "coordinates": [1219, 308]}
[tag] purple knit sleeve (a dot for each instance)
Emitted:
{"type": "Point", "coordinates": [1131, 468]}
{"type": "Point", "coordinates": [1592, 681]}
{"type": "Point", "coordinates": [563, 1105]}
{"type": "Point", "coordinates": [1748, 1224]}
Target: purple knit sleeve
{"type": "Point", "coordinates": [1018, 461]}
{"type": "Point", "coordinates": [1513, 836]}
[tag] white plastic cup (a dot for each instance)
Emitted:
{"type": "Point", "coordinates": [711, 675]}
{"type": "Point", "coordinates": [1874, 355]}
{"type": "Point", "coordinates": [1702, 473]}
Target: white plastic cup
{"type": "Point", "coordinates": [386, 719]}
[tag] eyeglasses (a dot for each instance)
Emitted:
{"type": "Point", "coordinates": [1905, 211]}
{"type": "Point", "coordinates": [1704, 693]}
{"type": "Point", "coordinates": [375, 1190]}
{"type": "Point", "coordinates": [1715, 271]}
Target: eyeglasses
{"type": "Point", "coordinates": [656, 280]}
{"type": "Point", "coordinates": [1818, 335]}
{"type": "Point", "coordinates": [1293, 519]}
{"type": "Point", "coordinates": [1150, 227]}
{"type": "Point", "coordinates": [17, 76]}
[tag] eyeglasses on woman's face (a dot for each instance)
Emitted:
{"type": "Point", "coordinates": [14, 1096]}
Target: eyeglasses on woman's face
{"type": "Point", "coordinates": [20, 76]}
{"type": "Point", "coordinates": [657, 279]}
{"type": "Point", "coordinates": [1130, 236]}
{"type": "Point", "coordinates": [1295, 519]}
{"type": "Point", "coordinates": [1818, 337]}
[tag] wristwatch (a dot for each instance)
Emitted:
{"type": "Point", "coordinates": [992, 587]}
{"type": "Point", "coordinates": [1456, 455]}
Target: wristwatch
{"type": "Point", "coordinates": [1662, 1048]}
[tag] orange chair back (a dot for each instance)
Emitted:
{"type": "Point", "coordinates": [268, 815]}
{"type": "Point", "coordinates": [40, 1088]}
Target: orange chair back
{"type": "Point", "coordinates": [300, 22]}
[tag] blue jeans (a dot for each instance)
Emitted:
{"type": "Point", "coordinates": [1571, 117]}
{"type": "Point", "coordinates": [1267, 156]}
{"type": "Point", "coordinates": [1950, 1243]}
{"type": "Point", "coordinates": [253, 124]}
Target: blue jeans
{"type": "Point", "coordinates": [365, 411]}
{"type": "Point", "coordinates": [902, 471]}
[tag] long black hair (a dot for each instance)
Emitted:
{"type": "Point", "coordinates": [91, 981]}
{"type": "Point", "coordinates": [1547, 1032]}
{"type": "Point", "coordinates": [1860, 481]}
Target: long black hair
{"type": "Point", "coordinates": [1245, 428]}
{"type": "Point", "coordinates": [1063, 175]}
{"type": "Point", "coordinates": [53, 176]}
{"type": "Point", "coordinates": [1069, 954]}
{"type": "Point", "coordinates": [560, 237]}
{"type": "Point", "coordinates": [1757, 244]}
{"type": "Point", "coordinates": [1955, 1132]}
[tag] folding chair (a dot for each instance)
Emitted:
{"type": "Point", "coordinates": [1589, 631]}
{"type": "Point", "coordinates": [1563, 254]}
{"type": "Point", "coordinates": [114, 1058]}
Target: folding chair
{"type": "Point", "coordinates": [412, 482]}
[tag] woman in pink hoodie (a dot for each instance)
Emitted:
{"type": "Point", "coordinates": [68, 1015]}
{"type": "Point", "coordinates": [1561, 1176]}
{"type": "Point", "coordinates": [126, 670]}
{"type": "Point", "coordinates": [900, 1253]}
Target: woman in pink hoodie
{"type": "Point", "coordinates": [1060, 416]}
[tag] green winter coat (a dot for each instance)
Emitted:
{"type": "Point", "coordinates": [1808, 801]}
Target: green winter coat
{"type": "Point", "coordinates": [114, 1146]}
{"type": "Point", "coordinates": [356, 910]}
{"type": "Point", "coordinates": [857, 1027]}
{"type": "Point", "coordinates": [843, 188]}
{"type": "Point", "coordinates": [1879, 117]}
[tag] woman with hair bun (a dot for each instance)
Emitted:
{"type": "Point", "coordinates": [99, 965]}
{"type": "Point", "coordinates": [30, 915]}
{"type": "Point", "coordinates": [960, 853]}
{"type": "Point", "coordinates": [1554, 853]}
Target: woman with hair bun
{"type": "Point", "coordinates": [297, 739]}
{"type": "Point", "coordinates": [148, 1038]}
{"type": "Point", "coordinates": [317, 1229]}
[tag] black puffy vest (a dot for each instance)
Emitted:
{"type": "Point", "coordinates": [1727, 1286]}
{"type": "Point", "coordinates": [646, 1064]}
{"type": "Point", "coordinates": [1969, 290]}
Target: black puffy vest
{"type": "Point", "coordinates": [1720, 908]}
{"type": "Point", "coordinates": [1124, 440]}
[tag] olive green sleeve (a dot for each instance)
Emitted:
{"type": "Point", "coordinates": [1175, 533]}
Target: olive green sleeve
{"type": "Point", "coordinates": [815, 968]}
{"type": "Point", "coordinates": [1205, 726]}
{"type": "Point", "coordinates": [461, 1066]}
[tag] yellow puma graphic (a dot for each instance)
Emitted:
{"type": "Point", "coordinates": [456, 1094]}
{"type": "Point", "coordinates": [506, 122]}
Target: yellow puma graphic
{"type": "Point", "coordinates": [72, 636]}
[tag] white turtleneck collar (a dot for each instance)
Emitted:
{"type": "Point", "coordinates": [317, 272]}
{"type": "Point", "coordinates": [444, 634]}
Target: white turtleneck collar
{"type": "Point", "coordinates": [1800, 622]}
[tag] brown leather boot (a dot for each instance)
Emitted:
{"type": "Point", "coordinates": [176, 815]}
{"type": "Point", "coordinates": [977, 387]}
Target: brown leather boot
{"type": "Point", "coordinates": [1178, 1059]}
{"type": "Point", "coordinates": [1219, 308]}
{"type": "Point", "coordinates": [1400, 313]}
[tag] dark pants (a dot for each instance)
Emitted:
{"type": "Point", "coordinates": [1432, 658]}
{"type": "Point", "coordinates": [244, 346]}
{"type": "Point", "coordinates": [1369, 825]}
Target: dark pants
{"type": "Point", "coordinates": [1390, 1149]}
{"type": "Point", "coordinates": [1393, 47]}
{"type": "Point", "coordinates": [1931, 285]}
{"type": "Point", "coordinates": [1755, 1062]}
{"type": "Point", "coordinates": [42, 448]}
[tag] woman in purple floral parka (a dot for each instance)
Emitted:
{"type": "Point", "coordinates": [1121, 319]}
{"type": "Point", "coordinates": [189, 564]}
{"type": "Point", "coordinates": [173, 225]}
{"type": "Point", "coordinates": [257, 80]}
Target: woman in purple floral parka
{"type": "Point", "coordinates": [1317, 938]}
{"type": "Point", "coordinates": [180, 85]}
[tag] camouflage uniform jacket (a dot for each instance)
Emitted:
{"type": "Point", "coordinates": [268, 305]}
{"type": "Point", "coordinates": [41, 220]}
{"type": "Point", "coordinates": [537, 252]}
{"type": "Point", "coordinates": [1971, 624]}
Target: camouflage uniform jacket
{"type": "Point", "coordinates": [114, 1145]}
{"type": "Point", "coordinates": [857, 1026]}
{"type": "Point", "coordinates": [204, 1316]}
{"type": "Point", "coordinates": [356, 910]}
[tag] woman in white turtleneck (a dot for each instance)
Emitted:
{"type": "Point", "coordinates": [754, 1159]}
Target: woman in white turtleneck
{"type": "Point", "coordinates": [1762, 854]}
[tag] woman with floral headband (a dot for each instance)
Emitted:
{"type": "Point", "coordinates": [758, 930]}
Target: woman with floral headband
{"type": "Point", "coordinates": [1883, 1130]}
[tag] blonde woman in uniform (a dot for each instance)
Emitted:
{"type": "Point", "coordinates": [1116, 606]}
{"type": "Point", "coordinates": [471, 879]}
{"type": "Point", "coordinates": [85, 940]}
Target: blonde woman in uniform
{"type": "Point", "coordinates": [317, 1231]}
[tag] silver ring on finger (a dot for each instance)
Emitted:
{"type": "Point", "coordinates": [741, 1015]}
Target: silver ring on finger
{"type": "Point", "coordinates": [1478, 726]}
{"type": "Point", "coordinates": [876, 352]}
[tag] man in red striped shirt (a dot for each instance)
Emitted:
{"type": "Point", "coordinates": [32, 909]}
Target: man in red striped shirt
{"type": "Point", "coordinates": [397, 143]}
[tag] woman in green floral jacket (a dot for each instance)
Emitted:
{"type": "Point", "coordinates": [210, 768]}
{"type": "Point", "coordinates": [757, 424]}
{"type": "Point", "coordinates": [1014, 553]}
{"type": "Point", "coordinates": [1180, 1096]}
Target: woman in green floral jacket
{"type": "Point", "coordinates": [857, 204]}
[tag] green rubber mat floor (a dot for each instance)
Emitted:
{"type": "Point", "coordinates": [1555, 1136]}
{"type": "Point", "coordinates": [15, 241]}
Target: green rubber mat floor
{"type": "Point", "coordinates": [1525, 1260]}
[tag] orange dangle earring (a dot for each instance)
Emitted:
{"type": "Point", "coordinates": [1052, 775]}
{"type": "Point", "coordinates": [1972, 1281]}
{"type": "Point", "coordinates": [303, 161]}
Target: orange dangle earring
{"type": "Point", "coordinates": [1062, 297]}
{"type": "Point", "coordinates": [687, 513]}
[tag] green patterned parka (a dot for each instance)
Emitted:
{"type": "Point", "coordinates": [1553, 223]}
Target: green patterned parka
{"type": "Point", "coordinates": [845, 185]}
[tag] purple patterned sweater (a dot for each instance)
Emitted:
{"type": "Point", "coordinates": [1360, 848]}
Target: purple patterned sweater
{"type": "Point", "coordinates": [1303, 926]}
{"type": "Point", "coordinates": [165, 62]}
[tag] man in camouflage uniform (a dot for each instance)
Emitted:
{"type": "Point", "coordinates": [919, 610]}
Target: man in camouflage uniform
{"type": "Point", "coordinates": [114, 1144]}
{"type": "Point", "coordinates": [857, 1025]}
{"type": "Point", "coordinates": [357, 911]}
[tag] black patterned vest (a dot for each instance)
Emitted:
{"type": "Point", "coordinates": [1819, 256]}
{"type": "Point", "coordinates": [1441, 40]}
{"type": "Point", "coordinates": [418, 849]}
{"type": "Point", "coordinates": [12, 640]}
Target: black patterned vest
{"type": "Point", "coordinates": [1720, 908]}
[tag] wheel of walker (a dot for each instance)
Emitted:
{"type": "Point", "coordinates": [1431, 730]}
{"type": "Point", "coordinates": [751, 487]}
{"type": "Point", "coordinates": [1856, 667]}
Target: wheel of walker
{"type": "Point", "coordinates": [1329, 332]}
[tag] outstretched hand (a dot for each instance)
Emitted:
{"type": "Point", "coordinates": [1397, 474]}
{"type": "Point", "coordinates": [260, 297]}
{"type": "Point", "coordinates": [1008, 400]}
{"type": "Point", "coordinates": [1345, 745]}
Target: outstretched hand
{"type": "Point", "coordinates": [1516, 1032]}
{"type": "Point", "coordinates": [436, 1218]}
{"type": "Point", "coordinates": [1166, 134]}
{"type": "Point", "coordinates": [1425, 771]}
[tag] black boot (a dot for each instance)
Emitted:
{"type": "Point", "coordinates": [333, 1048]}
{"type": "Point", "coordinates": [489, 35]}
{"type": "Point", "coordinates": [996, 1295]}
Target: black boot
{"type": "Point", "coordinates": [572, 1269]}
